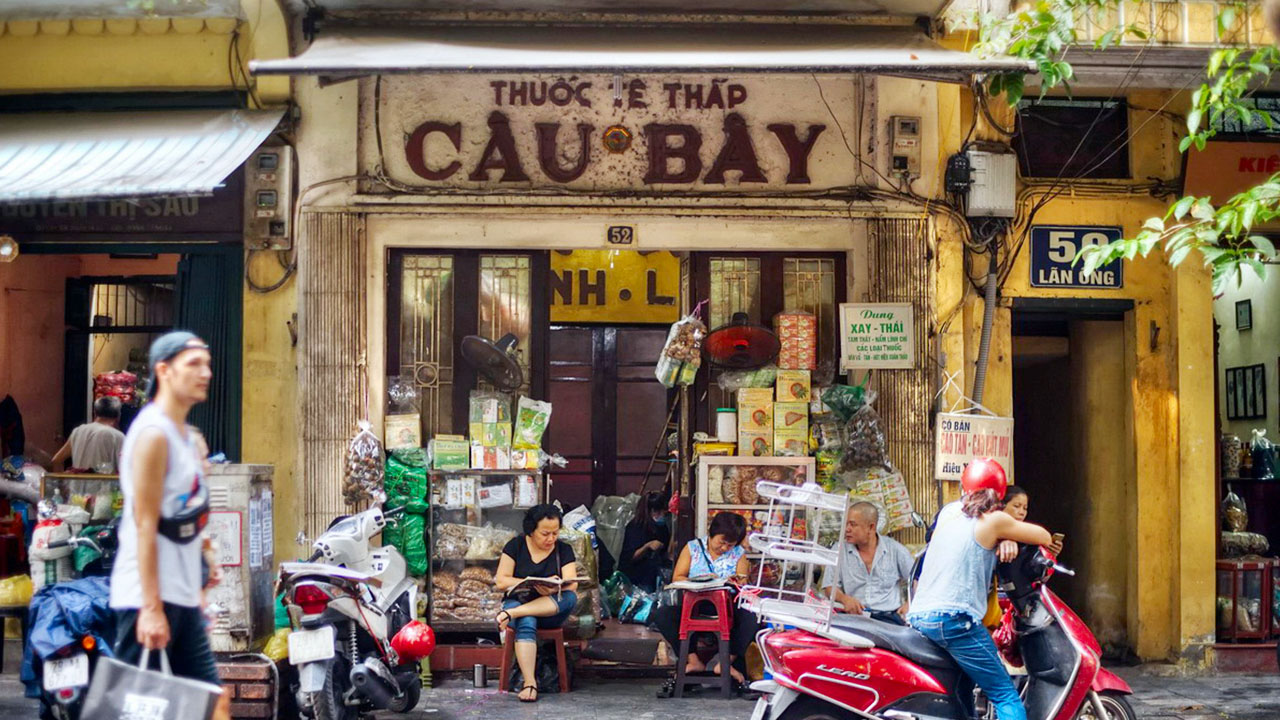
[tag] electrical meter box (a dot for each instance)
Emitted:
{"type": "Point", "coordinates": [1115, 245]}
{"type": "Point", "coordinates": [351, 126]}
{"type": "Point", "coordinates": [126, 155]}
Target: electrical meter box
{"type": "Point", "coordinates": [904, 140]}
{"type": "Point", "coordinates": [268, 198]}
{"type": "Point", "coordinates": [993, 190]}
{"type": "Point", "coordinates": [241, 525]}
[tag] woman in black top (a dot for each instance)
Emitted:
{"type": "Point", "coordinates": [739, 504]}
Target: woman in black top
{"type": "Point", "coordinates": [538, 553]}
{"type": "Point", "coordinates": [644, 549]}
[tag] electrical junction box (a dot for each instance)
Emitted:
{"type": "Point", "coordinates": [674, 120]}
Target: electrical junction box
{"type": "Point", "coordinates": [993, 191]}
{"type": "Point", "coordinates": [268, 198]}
{"type": "Point", "coordinates": [904, 142]}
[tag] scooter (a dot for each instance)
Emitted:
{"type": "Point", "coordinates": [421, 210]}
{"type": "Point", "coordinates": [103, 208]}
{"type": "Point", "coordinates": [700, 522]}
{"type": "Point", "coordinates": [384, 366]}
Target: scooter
{"type": "Point", "coordinates": [64, 673]}
{"type": "Point", "coordinates": [864, 668]}
{"type": "Point", "coordinates": [355, 641]}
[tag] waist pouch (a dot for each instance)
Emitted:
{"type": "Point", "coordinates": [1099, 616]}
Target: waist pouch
{"type": "Point", "coordinates": [185, 525]}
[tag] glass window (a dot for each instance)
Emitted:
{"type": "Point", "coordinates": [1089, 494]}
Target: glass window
{"type": "Point", "coordinates": [505, 304]}
{"type": "Point", "coordinates": [1078, 138]}
{"type": "Point", "coordinates": [809, 284]}
{"type": "Point", "coordinates": [426, 337]}
{"type": "Point", "coordinates": [735, 287]}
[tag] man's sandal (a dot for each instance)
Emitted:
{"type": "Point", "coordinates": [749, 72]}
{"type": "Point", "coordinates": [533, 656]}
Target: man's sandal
{"type": "Point", "coordinates": [533, 699]}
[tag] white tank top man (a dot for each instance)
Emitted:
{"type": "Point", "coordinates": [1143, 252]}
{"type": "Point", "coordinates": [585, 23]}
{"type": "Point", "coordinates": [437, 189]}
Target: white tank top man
{"type": "Point", "coordinates": [156, 581]}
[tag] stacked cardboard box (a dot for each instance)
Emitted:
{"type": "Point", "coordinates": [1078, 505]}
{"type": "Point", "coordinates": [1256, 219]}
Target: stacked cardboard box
{"type": "Point", "coordinates": [755, 422]}
{"type": "Point", "coordinates": [791, 429]}
{"type": "Point", "coordinates": [490, 425]}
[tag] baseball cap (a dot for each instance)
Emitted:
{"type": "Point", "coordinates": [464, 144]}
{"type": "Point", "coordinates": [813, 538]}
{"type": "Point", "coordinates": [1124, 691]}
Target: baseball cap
{"type": "Point", "coordinates": [168, 346]}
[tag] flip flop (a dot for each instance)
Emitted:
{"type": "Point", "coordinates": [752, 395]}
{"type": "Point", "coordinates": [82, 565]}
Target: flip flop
{"type": "Point", "coordinates": [502, 627]}
{"type": "Point", "coordinates": [534, 699]}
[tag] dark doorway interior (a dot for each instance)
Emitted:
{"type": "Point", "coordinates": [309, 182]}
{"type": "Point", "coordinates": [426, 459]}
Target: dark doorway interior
{"type": "Point", "coordinates": [614, 412]}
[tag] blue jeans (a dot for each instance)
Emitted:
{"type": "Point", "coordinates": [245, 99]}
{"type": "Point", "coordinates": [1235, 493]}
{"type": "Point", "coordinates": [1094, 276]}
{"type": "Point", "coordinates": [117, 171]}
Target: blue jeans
{"type": "Point", "coordinates": [526, 626]}
{"type": "Point", "coordinates": [968, 643]}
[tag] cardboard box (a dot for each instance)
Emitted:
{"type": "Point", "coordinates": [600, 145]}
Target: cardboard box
{"type": "Point", "coordinates": [787, 444]}
{"type": "Point", "coordinates": [449, 452]}
{"type": "Point", "coordinates": [755, 444]}
{"type": "Point", "coordinates": [402, 431]}
{"type": "Point", "coordinates": [793, 386]}
{"type": "Point", "coordinates": [798, 337]}
{"type": "Point", "coordinates": [791, 417]}
{"type": "Point", "coordinates": [755, 411]}
{"type": "Point", "coordinates": [524, 459]}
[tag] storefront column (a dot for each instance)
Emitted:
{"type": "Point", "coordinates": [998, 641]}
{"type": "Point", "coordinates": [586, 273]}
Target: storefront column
{"type": "Point", "coordinates": [332, 357]}
{"type": "Point", "coordinates": [1193, 316]}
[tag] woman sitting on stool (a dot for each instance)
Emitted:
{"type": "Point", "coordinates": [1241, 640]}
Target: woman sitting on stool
{"type": "Point", "coordinates": [536, 554]}
{"type": "Point", "coordinates": [720, 554]}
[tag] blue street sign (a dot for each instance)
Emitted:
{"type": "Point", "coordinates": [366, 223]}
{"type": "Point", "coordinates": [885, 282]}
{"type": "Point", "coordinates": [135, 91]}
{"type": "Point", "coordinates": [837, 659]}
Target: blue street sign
{"type": "Point", "coordinates": [1053, 253]}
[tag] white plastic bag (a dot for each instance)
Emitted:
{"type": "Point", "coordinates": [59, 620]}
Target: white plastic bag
{"type": "Point", "coordinates": [681, 356]}
{"type": "Point", "coordinates": [580, 519]}
{"type": "Point", "coordinates": [365, 467]}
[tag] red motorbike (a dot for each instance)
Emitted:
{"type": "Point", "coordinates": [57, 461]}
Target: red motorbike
{"type": "Point", "coordinates": [864, 668]}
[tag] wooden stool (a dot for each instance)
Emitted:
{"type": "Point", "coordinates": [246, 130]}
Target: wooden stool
{"type": "Point", "coordinates": [720, 624]}
{"type": "Point", "coordinates": [555, 635]}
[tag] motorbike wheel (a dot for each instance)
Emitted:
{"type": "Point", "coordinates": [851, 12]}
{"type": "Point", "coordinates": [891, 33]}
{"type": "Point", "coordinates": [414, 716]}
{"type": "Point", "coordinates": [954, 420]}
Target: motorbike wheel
{"type": "Point", "coordinates": [408, 699]}
{"type": "Point", "coordinates": [807, 708]}
{"type": "Point", "coordinates": [1117, 707]}
{"type": "Point", "coordinates": [327, 703]}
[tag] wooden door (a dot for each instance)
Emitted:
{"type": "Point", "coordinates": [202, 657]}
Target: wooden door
{"type": "Point", "coordinates": [609, 411]}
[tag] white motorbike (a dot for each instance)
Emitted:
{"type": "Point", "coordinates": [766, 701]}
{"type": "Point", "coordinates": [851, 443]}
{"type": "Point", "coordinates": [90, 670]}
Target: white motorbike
{"type": "Point", "coordinates": [351, 607]}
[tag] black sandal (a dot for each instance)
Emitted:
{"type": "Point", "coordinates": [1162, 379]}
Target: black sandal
{"type": "Point", "coordinates": [668, 689]}
{"type": "Point", "coordinates": [534, 699]}
{"type": "Point", "coordinates": [509, 619]}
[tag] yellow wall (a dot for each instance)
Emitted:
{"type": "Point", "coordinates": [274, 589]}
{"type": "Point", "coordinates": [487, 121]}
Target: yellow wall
{"type": "Point", "coordinates": [1169, 387]}
{"type": "Point", "coordinates": [144, 53]}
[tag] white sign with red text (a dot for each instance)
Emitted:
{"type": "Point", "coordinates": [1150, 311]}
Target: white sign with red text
{"type": "Point", "coordinates": [961, 437]}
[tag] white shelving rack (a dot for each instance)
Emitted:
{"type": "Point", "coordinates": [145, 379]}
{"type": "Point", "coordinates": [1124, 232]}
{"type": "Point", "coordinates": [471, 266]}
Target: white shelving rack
{"type": "Point", "coordinates": [804, 606]}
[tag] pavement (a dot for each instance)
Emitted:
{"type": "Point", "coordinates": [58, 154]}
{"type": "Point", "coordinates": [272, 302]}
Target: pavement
{"type": "Point", "coordinates": [1158, 695]}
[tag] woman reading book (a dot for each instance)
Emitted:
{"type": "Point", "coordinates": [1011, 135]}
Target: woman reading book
{"type": "Point", "coordinates": [719, 556]}
{"type": "Point", "coordinates": [537, 571]}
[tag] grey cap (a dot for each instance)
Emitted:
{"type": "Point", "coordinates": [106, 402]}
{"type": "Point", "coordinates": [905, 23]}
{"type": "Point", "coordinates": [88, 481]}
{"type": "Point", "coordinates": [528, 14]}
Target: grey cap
{"type": "Point", "coordinates": [167, 347]}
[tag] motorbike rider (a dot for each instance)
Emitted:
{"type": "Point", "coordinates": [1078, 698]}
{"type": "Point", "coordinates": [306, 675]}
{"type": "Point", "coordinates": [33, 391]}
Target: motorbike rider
{"type": "Point", "coordinates": [156, 582]}
{"type": "Point", "coordinates": [1017, 503]}
{"type": "Point", "coordinates": [951, 598]}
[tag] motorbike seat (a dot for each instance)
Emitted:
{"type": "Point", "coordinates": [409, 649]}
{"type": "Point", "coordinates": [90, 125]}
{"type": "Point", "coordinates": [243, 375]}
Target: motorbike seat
{"type": "Point", "coordinates": [904, 640]}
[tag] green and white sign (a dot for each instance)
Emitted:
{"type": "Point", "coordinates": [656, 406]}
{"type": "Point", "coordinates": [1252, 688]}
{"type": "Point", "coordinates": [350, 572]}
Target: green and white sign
{"type": "Point", "coordinates": [877, 336]}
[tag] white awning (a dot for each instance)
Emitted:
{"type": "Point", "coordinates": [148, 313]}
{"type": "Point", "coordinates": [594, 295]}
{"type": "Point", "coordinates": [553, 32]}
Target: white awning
{"type": "Point", "coordinates": [348, 51]}
{"type": "Point", "coordinates": [88, 155]}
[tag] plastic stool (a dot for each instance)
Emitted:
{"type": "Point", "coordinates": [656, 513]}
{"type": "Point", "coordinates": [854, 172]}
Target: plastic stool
{"type": "Point", "coordinates": [555, 635]}
{"type": "Point", "coordinates": [720, 624]}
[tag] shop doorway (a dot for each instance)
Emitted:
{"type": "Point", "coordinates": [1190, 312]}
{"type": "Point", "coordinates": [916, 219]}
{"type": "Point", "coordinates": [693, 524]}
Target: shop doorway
{"type": "Point", "coordinates": [1073, 449]}
{"type": "Point", "coordinates": [610, 411]}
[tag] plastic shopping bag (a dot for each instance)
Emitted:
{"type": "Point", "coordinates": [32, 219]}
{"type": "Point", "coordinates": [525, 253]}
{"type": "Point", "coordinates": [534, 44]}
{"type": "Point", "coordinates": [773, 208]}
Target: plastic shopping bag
{"type": "Point", "coordinates": [121, 690]}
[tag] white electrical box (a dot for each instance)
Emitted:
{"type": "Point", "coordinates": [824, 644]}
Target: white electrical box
{"type": "Point", "coordinates": [268, 198]}
{"type": "Point", "coordinates": [994, 188]}
{"type": "Point", "coordinates": [904, 140]}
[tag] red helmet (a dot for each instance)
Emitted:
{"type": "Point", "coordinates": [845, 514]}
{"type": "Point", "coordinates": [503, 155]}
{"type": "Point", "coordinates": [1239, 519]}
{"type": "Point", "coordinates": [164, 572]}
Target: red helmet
{"type": "Point", "coordinates": [983, 474]}
{"type": "Point", "coordinates": [415, 641]}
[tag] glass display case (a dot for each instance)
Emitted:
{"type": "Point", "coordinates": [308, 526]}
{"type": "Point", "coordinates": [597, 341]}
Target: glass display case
{"type": "Point", "coordinates": [473, 514]}
{"type": "Point", "coordinates": [1244, 599]}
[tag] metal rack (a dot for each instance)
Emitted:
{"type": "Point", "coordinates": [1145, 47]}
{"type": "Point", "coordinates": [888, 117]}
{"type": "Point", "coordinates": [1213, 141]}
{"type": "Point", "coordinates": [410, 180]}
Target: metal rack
{"type": "Point", "coordinates": [800, 606]}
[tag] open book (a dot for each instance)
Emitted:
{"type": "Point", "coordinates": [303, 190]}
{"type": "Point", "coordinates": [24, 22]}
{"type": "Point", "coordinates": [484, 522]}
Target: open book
{"type": "Point", "coordinates": [699, 582]}
{"type": "Point", "coordinates": [533, 583]}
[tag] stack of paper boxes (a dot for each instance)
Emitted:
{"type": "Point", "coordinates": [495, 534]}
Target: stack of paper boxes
{"type": "Point", "coordinates": [791, 414]}
{"type": "Point", "coordinates": [755, 422]}
{"type": "Point", "coordinates": [490, 425]}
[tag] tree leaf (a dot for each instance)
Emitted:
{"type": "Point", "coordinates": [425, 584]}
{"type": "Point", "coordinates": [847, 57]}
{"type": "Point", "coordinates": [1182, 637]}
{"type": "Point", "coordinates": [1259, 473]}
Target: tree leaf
{"type": "Point", "coordinates": [1264, 245]}
{"type": "Point", "coordinates": [1186, 143]}
{"type": "Point", "coordinates": [1154, 224]}
{"type": "Point", "coordinates": [1181, 207]}
{"type": "Point", "coordinates": [1193, 119]}
{"type": "Point", "coordinates": [1177, 256]}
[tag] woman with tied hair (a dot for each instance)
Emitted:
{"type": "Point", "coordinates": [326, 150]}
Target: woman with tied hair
{"type": "Point", "coordinates": [951, 598]}
{"type": "Point", "coordinates": [537, 553]}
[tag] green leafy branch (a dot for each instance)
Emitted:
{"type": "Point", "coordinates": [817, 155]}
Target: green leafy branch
{"type": "Point", "coordinates": [1042, 32]}
{"type": "Point", "coordinates": [1223, 235]}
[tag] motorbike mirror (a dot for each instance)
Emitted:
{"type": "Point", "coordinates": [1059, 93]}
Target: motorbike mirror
{"type": "Point", "coordinates": [302, 540]}
{"type": "Point", "coordinates": [918, 521]}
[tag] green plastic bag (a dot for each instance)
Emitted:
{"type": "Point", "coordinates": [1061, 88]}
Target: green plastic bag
{"type": "Point", "coordinates": [406, 487]}
{"type": "Point", "coordinates": [616, 589]}
{"type": "Point", "coordinates": [845, 400]}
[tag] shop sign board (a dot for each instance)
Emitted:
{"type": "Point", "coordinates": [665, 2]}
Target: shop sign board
{"type": "Point", "coordinates": [601, 133]}
{"type": "Point", "coordinates": [614, 286]}
{"type": "Point", "coordinates": [1225, 168]}
{"type": "Point", "coordinates": [877, 336]}
{"type": "Point", "coordinates": [219, 212]}
{"type": "Point", "coordinates": [961, 437]}
{"type": "Point", "coordinates": [1054, 249]}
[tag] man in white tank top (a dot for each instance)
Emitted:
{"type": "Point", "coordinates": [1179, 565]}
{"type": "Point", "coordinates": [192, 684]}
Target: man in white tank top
{"type": "Point", "coordinates": [156, 582]}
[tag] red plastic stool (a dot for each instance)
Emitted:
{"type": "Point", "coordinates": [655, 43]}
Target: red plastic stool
{"type": "Point", "coordinates": [556, 635]}
{"type": "Point", "coordinates": [720, 624]}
